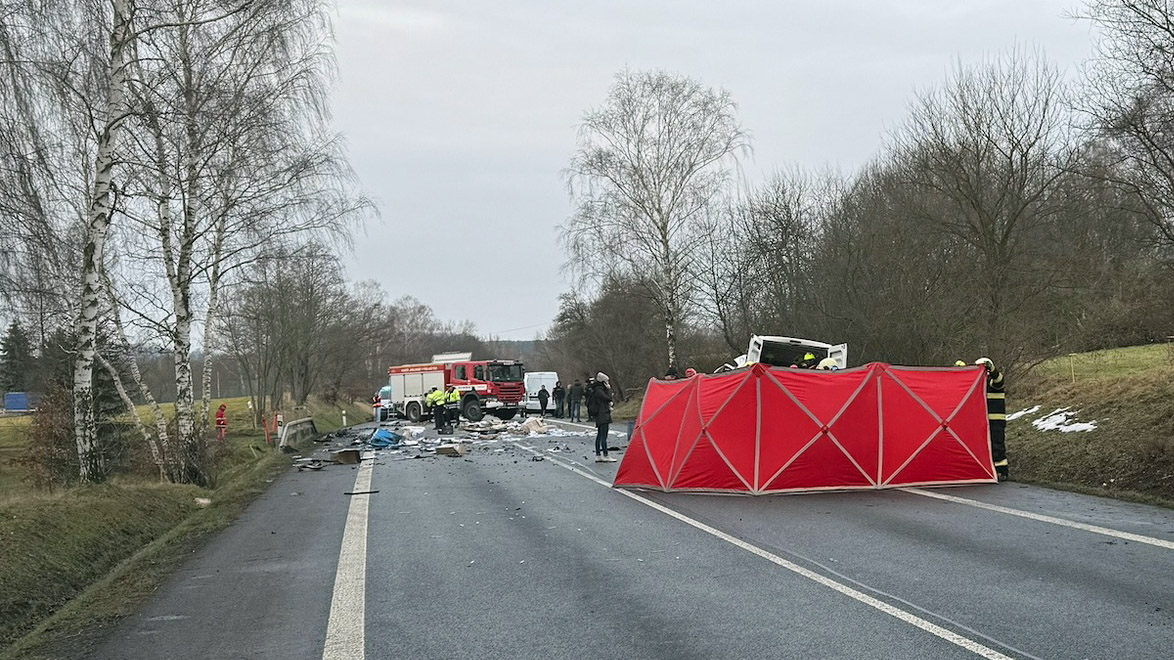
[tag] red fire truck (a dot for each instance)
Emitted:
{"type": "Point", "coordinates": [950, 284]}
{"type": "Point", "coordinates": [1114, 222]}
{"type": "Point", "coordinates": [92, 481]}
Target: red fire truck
{"type": "Point", "coordinates": [486, 386]}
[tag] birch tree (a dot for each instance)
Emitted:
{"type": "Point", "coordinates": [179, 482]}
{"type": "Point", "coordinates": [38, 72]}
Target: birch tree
{"type": "Point", "coordinates": [101, 206]}
{"type": "Point", "coordinates": [648, 163]}
{"type": "Point", "coordinates": [236, 155]}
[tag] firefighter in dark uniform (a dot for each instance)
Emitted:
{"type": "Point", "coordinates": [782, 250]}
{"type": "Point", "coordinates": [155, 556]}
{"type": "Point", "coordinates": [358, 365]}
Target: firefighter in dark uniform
{"type": "Point", "coordinates": [996, 414]}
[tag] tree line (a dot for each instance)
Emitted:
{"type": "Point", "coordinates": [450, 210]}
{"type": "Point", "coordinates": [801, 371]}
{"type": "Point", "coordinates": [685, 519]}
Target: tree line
{"type": "Point", "coordinates": [154, 151]}
{"type": "Point", "coordinates": [1013, 213]}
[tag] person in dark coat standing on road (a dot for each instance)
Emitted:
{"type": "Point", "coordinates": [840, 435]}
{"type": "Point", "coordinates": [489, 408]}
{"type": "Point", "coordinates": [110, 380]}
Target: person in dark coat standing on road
{"type": "Point", "coordinates": [601, 404]}
{"type": "Point", "coordinates": [588, 391]}
{"type": "Point", "coordinates": [560, 395]}
{"type": "Point", "coordinates": [543, 397]}
{"type": "Point", "coordinates": [575, 401]}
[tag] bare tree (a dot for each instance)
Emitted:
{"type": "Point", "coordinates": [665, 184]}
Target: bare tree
{"type": "Point", "coordinates": [1131, 100]}
{"type": "Point", "coordinates": [648, 164]}
{"type": "Point", "coordinates": [980, 159]}
{"type": "Point", "coordinates": [101, 206]}
{"type": "Point", "coordinates": [234, 156]}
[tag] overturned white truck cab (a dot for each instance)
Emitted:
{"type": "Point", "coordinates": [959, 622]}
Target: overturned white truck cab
{"type": "Point", "coordinates": [787, 351]}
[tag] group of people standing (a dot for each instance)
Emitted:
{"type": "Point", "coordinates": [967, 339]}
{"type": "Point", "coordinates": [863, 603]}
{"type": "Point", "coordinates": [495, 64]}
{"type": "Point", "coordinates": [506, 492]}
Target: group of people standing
{"type": "Point", "coordinates": [568, 402]}
{"type": "Point", "coordinates": [595, 396]}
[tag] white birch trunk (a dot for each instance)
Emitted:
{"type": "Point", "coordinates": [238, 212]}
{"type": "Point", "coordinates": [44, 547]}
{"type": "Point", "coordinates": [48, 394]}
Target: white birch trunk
{"type": "Point", "coordinates": [156, 455]}
{"type": "Point", "coordinates": [97, 229]}
{"type": "Point", "coordinates": [181, 283]}
{"type": "Point", "coordinates": [210, 320]}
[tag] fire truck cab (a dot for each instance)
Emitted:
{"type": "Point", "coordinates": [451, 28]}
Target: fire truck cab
{"type": "Point", "coordinates": [486, 386]}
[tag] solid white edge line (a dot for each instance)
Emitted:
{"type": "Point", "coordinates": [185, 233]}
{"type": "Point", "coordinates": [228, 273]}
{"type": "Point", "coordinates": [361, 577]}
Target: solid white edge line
{"type": "Point", "coordinates": [346, 628]}
{"type": "Point", "coordinates": [1127, 536]}
{"type": "Point", "coordinates": [911, 619]}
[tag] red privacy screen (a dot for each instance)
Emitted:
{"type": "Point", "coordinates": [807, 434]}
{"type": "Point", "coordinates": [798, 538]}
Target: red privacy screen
{"type": "Point", "coordinates": [766, 430]}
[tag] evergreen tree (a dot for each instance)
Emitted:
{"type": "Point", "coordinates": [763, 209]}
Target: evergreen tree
{"type": "Point", "coordinates": [17, 363]}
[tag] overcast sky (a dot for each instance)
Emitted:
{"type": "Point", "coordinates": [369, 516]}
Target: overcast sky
{"type": "Point", "coordinates": [460, 116]}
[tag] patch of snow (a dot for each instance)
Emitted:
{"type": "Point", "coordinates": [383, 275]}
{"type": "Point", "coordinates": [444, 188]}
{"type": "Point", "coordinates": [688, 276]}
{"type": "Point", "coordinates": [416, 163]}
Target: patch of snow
{"type": "Point", "coordinates": [1062, 420]}
{"type": "Point", "coordinates": [1026, 411]}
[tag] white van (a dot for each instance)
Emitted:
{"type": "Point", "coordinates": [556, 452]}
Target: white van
{"type": "Point", "coordinates": [786, 351]}
{"type": "Point", "coordinates": [534, 381]}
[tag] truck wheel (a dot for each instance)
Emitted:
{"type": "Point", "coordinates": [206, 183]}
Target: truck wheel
{"type": "Point", "coordinates": [472, 410]}
{"type": "Point", "coordinates": [505, 415]}
{"type": "Point", "coordinates": [413, 412]}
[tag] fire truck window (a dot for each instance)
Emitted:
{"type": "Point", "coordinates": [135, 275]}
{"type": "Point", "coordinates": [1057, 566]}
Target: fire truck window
{"type": "Point", "coordinates": [459, 372]}
{"type": "Point", "coordinates": [479, 372]}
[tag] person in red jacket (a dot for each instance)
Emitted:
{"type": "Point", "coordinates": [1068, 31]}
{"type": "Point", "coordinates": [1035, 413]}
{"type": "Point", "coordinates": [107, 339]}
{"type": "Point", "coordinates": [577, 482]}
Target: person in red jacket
{"type": "Point", "coordinates": [221, 422]}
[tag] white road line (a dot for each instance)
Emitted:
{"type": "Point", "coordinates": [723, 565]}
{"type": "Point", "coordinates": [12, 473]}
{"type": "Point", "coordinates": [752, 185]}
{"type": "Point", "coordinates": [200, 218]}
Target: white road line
{"type": "Point", "coordinates": [585, 426]}
{"type": "Point", "coordinates": [345, 631]}
{"type": "Point", "coordinates": [907, 617]}
{"type": "Point", "coordinates": [1137, 538]}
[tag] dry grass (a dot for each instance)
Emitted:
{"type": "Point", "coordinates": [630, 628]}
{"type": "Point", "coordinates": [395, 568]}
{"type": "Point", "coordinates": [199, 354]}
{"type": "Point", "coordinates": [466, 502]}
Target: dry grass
{"type": "Point", "coordinates": [84, 556]}
{"type": "Point", "coordinates": [1129, 393]}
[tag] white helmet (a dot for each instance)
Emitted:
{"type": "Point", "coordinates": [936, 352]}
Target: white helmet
{"type": "Point", "coordinates": [985, 362]}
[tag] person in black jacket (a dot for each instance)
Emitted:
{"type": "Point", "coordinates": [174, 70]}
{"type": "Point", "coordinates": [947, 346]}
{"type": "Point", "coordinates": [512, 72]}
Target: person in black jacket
{"type": "Point", "coordinates": [601, 398]}
{"type": "Point", "coordinates": [575, 401]}
{"type": "Point", "coordinates": [543, 398]}
{"type": "Point", "coordinates": [559, 394]}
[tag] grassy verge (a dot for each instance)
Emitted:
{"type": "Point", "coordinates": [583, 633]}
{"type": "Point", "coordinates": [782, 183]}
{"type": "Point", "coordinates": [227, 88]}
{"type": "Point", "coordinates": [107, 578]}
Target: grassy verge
{"type": "Point", "coordinates": [121, 586]}
{"type": "Point", "coordinates": [628, 409]}
{"type": "Point", "coordinates": [1128, 394]}
{"type": "Point", "coordinates": [74, 562]}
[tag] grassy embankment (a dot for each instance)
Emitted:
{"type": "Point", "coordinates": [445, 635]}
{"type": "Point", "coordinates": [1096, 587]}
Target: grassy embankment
{"type": "Point", "coordinates": [1128, 392]}
{"type": "Point", "coordinates": [77, 559]}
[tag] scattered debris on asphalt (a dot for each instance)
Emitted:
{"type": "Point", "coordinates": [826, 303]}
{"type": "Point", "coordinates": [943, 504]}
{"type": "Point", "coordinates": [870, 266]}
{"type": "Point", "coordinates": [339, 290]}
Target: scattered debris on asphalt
{"type": "Point", "coordinates": [400, 440]}
{"type": "Point", "coordinates": [347, 456]}
{"type": "Point", "coordinates": [451, 449]}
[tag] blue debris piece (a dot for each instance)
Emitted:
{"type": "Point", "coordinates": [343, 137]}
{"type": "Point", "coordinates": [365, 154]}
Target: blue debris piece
{"type": "Point", "coordinates": [384, 438]}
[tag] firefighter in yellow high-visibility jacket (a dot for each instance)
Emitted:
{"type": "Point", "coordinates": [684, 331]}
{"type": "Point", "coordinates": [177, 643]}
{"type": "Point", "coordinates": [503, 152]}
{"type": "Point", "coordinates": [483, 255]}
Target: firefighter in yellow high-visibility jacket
{"type": "Point", "coordinates": [996, 414]}
{"type": "Point", "coordinates": [435, 402]}
{"type": "Point", "coordinates": [452, 403]}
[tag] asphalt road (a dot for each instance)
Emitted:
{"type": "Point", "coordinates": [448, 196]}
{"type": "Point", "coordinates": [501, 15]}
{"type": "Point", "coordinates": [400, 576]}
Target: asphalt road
{"type": "Point", "coordinates": [495, 555]}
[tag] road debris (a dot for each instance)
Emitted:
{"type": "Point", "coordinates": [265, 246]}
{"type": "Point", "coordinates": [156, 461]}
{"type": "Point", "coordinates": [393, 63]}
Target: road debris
{"type": "Point", "coordinates": [347, 456]}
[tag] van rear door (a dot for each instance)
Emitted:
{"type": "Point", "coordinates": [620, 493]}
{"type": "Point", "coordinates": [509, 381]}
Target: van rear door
{"type": "Point", "coordinates": [840, 353]}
